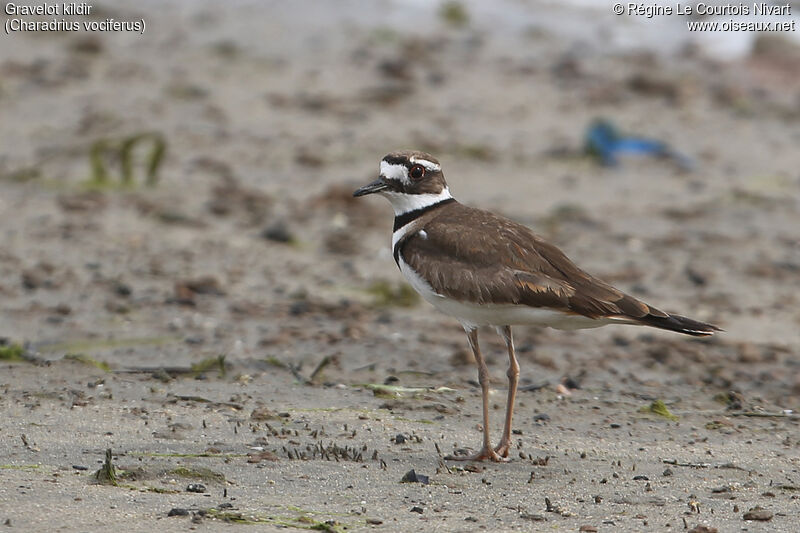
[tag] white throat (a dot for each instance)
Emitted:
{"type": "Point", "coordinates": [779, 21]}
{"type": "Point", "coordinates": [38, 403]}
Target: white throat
{"type": "Point", "coordinates": [402, 203]}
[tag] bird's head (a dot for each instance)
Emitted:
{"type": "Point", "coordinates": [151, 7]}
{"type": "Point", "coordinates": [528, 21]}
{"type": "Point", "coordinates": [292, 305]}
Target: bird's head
{"type": "Point", "coordinates": [410, 180]}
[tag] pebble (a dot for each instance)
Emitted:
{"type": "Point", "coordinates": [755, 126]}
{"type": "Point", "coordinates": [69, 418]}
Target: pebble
{"type": "Point", "coordinates": [277, 232]}
{"type": "Point", "coordinates": [758, 513]}
{"type": "Point", "coordinates": [196, 487]}
{"type": "Point", "coordinates": [122, 289]}
{"type": "Point", "coordinates": [203, 285]}
{"type": "Point", "coordinates": [703, 529]}
{"type": "Point", "coordinates": [261, 414]}
{"type": "Point", "coordinates": [178, 511]}
{"type": "Point", "coordinates": [412, 477]}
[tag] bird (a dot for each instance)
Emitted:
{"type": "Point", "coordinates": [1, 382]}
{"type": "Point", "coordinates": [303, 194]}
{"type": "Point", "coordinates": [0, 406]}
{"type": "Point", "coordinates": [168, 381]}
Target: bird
{"type": "Point", "coordinates": [487, 270]}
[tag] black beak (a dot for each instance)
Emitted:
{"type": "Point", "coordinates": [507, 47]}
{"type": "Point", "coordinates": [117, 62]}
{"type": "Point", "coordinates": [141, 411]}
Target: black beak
{"type": "Point", "coordinates": [376, 186]}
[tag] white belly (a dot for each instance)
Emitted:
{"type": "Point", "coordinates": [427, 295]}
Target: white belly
{"type": "Point", "coordinates": [471, 315]}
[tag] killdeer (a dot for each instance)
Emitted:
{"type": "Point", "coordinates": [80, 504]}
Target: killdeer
{"type": "Point", "coordinates": [486, 270]}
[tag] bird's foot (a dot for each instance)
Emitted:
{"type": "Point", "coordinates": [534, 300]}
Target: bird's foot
{"type": "Point", "coordinates": [503, 448]}
{"type": "Point", "coordinates": [486, 454]}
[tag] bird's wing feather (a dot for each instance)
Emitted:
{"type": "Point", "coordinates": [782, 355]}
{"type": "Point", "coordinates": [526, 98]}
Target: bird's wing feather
{"type": "Point", "coordinates": [508, 265]}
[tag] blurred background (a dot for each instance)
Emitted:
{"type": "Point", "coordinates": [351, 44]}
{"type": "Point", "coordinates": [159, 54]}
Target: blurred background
{"type": "Point", "coordinates": [184, 193]}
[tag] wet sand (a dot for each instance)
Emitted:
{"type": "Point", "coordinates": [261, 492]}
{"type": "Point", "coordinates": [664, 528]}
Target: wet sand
{"type": "Point", "coordinates": [249, 246]}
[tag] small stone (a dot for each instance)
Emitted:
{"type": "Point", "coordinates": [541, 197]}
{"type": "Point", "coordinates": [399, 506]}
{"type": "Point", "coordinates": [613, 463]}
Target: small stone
{"type": "Point", "coordinates": [257, 457]}
{"type": "Point", "coordinates": [696, 276]}
{"type": "Point", "coordinates": [299, 308]}
{"type": "Point", "coordinates": [417, 509]}
{"type": "Point", "coordinates": [412, 477]}
{"type": "Point", "coordinates": [703, 529]}
{"type": "Point", "coordinates": [667, 472]}
{"type": "Point", "coordinates": [641, 478]}
{"type": "Point", "coordinates": [278, 232]}
{"type": "Point", "coordinates": [178, 511]}
{"type": "Point", "coordinates": [122, 289]}
{"type": "Point", "coordinates": [261, 414]}
{"type": "Point", "coordinates": [196, 487]}
{"type": "Point", "coordinates": [374, 521]}
{"type": "Point", "coordinates": [31, 279]}
{"type": "Point", "coordinates": [541, 417]}
{"type": "Point", "coordinates": [588, 529]}
{"type": "Point", "coordinates": [619, 340]}
{"type": "Point", "coordinates": [562, 390]}
{"type": "Point", "coordinates": [183, 295]}
{"type": "Point", "coordinates": [399, 439]}
{"type": "Point", "coordinates": [204, 285]}
{"type": "Point", "coordinates": [758, 513]}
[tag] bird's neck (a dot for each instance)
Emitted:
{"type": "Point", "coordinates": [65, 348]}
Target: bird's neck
{"type": "Point", "coordinates": [403, 203]}
{"type": "Point", "coordinates": [418, 206]}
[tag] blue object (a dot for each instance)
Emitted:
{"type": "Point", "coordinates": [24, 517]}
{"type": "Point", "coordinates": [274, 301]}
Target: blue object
{"type": "Point", "coordinates": [604, 141]}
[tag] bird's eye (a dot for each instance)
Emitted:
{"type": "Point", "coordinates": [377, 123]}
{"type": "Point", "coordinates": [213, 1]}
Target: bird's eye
{"type": "Point", "coordinates": [416, 172]}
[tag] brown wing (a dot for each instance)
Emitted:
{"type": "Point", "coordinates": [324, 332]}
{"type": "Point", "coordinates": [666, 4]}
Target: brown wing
{"type": "Point", "coordinates": [479, 257]}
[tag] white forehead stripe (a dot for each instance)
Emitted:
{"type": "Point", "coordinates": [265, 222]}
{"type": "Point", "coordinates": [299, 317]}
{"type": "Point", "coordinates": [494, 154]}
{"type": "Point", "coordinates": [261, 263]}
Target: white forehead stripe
{"type": "Point", "coordinates": [430, 165]}
{"type": "Point", "coordinates": [395, 172]}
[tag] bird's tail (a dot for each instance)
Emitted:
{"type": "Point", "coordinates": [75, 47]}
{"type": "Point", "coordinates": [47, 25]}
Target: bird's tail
{"type": "Point", "coordinates": [679, 323]}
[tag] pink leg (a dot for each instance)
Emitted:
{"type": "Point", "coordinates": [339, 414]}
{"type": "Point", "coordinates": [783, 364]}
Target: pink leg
{"type": "Point", "coordinates": [513, 379]}
{"type": "Point", "coordinates": [487, 452]}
